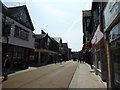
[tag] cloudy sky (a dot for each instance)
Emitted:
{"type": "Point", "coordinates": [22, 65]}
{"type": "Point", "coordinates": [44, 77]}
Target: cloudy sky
{"type": "Point", "coordinates": [58, 18]}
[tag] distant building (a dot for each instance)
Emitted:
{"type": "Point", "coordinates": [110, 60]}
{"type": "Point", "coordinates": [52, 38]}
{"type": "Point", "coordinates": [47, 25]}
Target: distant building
{"type": "Point", "coordinates": [69, 54]}
{"type": "Point", "coordinates": [75, 55]}
{"type": "Point", "coordinates": [17, 34]}
{"type": "Point", "coordinates": [87, 33]}
{"type": "Point", "coordinates": [60, 47]}
{"type": "Point", "coordinates": [46, 49]}
{"type": "Point", "coordinates": [65, 52]}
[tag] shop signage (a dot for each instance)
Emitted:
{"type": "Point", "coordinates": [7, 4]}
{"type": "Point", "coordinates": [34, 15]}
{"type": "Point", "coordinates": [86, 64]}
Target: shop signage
{"type": "Point", "coordinates": [115, 32]}
{"type": "Point", "coordinates": [97, 36]}
{"type": "Point", "coordinates": [87, 45]}
{"type": "Point", "coordinates": [111, 12]}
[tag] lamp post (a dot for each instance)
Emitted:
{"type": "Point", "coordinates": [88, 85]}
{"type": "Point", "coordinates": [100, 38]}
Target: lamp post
{"type": "Point", "coordinates": [7, 29]}
{"type": "Point", "coordinates": [6, 33]}
{"type": "Point", "coordinates": [7, 44]}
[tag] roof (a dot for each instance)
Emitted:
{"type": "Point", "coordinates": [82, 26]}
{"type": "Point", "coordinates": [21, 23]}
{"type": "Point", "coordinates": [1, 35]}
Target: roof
{"type": "Point", "coordinates": [40, 36]}
{"type": "Point", "coordinates": [43, 32]}
{"type": "Point", "coordinates": [54, 39]}
{"type": "Point", "coordinates": [13, 11]}
{"type": "Point", "coordinates": [65, 45]}
{"type": "Point", "coordinates": [58, 39]}
{"type": "Point", "coordinates": [3, 8]}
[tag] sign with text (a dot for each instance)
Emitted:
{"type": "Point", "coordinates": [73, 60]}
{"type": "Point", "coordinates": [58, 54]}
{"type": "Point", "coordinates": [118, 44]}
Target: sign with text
{"type": "Point", "coordinates": [111, 12]}
{"type": "Point", "coordinates": [115, 32]}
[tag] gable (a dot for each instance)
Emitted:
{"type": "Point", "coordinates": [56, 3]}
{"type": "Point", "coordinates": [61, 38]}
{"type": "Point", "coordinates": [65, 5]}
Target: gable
{"type": "Point", "coordinates": [21, 15]}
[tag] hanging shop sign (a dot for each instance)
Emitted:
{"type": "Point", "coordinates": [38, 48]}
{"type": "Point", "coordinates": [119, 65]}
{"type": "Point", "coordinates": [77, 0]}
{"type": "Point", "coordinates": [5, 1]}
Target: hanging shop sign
{"type": "Point", "coordinates": [111, 12]}
{"type": "Point", "coordinates": [97, 36]}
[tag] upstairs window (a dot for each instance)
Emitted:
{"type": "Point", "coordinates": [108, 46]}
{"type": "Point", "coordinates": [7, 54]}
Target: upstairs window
{"type": "Point", "coordinates": [21, 33]}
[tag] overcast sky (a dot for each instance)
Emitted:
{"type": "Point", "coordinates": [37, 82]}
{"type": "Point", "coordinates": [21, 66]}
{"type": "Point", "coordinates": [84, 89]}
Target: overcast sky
{"type": "Point", "coordinates": [58, 18]}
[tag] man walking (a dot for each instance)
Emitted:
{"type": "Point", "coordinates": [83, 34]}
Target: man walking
{"type": "Point", "coordinates": [6, 67]}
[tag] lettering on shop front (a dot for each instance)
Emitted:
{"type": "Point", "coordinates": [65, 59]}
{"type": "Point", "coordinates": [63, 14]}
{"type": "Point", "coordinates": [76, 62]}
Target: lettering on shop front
{"type": "Point", "coordinates": [115, 32]}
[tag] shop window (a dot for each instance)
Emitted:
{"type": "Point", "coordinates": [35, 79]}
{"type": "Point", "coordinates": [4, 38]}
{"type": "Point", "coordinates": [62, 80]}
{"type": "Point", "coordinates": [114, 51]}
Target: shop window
{"type": "Point", "coordinates": [115, 53]}
{"type": "Point", "coordinates": [21, 52]}
{"type": "Point", "coordinates": [99, 60]}
{"type": "Point", "coordinates": [95, 17]}
{"type": "Point", "coordinates": [16, 32]}
{"type": "Point", "coordinates": [18, 53]}
{"type": "Point", "coordinates": [98, 56]}
{"type": "Point", "coordinates": [36, 45]}
{"type": "Point", "coordinates": [10, 50]}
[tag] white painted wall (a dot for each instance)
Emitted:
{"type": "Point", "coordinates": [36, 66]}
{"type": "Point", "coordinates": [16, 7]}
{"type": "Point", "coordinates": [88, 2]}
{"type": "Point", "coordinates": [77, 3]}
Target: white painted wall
{"type": "Point", "coordinates": [111, 11]}
{"type": "Point", "coordinates": [17, 41]}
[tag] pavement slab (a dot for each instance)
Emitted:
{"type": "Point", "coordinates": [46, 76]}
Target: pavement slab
{"type": "Point", "coordinates": [83, 78]}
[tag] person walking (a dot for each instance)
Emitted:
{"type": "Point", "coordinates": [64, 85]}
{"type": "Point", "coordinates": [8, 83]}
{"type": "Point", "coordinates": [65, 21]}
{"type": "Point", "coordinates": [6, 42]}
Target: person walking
{"type": "Point", "coordinates": [60, 60]}
{"type": "Point", "coordinates": [6, 68]}
{"type": "Point", "coordinates": [80, 59]}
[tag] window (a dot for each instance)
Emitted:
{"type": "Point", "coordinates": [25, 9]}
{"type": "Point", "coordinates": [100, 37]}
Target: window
{"type": "Point", "coordinates": [18, 53]}
{"type": "Point", "coordinates": [16, 32]}
{"type": "Point", "coordinates": [115, 53]}
{"type": "Point", "coordinates": [48, 42]}
{"type": "Point", "coordinates": [21, 33]}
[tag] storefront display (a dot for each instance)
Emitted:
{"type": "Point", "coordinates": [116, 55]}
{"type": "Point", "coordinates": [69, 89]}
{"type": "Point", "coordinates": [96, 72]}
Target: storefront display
{"type": "Point", "coordinates": [114, 42]}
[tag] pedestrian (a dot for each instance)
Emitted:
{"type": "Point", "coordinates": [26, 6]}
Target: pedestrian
{"type": "Point", "coordinates": [60, 60]}
{"type": "Point", "coordinates": [83, 60]}
{"type": "Point", "coordinates": [80, 59]}
{"type": "Point", "coordinates": [7, 65]}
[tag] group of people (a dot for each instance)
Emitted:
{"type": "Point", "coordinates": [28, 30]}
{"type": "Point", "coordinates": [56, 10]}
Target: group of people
{"type": "Point", "coordinates": [81, 60]}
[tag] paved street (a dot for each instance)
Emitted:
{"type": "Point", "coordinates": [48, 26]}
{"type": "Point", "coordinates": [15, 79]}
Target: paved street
{"type": "Point", "coordinates": [50, 76]}
{"type": "Point", "coordinates": [66, 75]}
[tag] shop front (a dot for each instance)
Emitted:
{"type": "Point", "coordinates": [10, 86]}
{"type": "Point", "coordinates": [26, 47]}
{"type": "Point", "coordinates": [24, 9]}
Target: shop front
{"type": "Point", "coordinates": [112, 35]}
{"type": "Point", "coordinates": [19, 56]}
{"type": "Point", "coordinates": [114, 50]}
{"type": "Point", "coordinates": [98, 54]}
{"type": "Point", "coordinates": [44, 56]}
